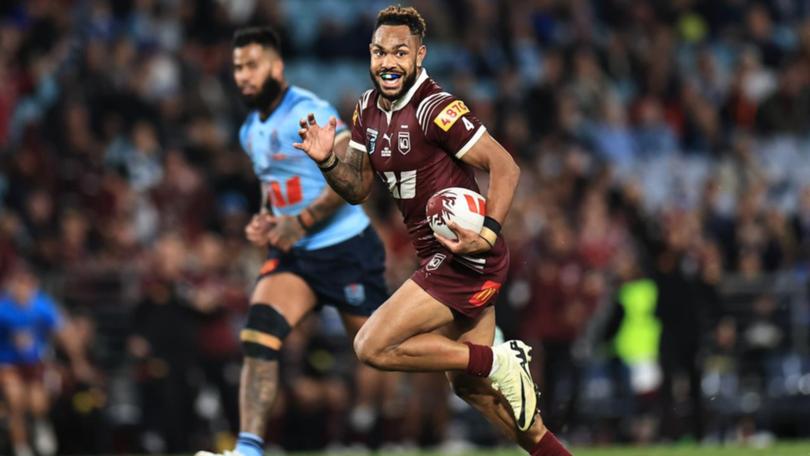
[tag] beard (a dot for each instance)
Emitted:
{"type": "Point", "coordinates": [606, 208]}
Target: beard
{"type": "Point", "coordinates": [407, 83]}
{"type": "Point", "coordinates": [266, 96]}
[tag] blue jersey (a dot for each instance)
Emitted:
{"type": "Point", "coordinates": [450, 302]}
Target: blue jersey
{"type": "Point", "coordinates": [26, 328]}
{"type": "Point", "coordinates": [291, 179]}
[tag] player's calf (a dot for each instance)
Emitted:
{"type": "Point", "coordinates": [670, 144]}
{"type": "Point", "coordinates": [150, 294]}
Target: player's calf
{"type": "Point", "coordinates": [478, 392]}
{"type": "Point", "coordinates": [262, 337]}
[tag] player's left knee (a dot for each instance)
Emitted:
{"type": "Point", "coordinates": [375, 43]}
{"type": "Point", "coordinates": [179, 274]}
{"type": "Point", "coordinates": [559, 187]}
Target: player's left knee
{"type": "Point", "coordinates": [366, 352]}
{"type": "Point", "coordinates": [264, 332]}
{"type": "Point", "coordinates": [370, 351]}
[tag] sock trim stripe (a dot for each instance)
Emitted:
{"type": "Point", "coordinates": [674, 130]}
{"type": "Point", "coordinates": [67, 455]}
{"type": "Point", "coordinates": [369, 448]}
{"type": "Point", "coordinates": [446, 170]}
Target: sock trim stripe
{"type": "Point", "coordinates": [250, 442]}
{"type": "Point", "coordinates": [248, 435]}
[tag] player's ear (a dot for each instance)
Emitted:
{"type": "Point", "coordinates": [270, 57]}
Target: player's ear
{"type": "Point", "coordinates": [420, 54]}
{"type": "Point", "coordinates": [278, 70]}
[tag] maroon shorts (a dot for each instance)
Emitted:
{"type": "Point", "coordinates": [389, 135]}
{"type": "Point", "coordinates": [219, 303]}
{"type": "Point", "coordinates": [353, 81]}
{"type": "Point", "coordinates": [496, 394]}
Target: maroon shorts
{"type": "Point", "coordinates": [466, 284]}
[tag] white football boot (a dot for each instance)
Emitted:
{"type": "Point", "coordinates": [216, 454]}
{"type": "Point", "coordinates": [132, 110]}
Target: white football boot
{"type": "Point", "coordinates": [512, 378]}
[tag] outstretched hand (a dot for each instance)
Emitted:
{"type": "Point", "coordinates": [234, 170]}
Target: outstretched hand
{"type": "Point", "coordinates": [467, 241]}
{"type": "Point", "coordinates": [316, 141]}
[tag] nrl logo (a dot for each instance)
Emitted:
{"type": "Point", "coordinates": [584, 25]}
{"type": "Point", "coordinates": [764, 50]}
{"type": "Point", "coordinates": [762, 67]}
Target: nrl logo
{"type": "Point", "coordinates": [386, 151]}
{"type": "Point", "coordinates": [435, 262]}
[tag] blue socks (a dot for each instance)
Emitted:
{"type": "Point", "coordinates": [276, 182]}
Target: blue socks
{"type": "Point", "coordinates": [249, 444]}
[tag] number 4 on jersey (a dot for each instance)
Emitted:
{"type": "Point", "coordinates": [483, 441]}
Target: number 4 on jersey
{"type": "Point", "coordinates": [467, 124]}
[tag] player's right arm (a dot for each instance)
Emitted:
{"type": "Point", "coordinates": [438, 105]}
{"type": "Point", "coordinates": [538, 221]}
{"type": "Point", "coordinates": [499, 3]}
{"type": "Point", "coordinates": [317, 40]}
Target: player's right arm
{"type": "Point", "coordinates": [256, 230]}
{"type": "Point", "coordinates": [350, 175]}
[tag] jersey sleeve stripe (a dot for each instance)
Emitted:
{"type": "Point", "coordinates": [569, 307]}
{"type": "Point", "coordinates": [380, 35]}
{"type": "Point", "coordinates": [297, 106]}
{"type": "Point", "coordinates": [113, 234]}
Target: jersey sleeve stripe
{"type": "Point", "coordinates": [357, 145]}
{"type": "Point", "coordinates": [426, 115]}
{"type": "Point", "coordinates": [427, 101]}
{"type": "Point", "coordinates": [364, 103]}
{"type": "Point", "coordinates": [426, 105]}
{"type": "Point", "coordinates": [423, 106]}
{"type": "Point", "coordinates": [425, 121]}
{"type": "Point", "coordinates": [466, 148]}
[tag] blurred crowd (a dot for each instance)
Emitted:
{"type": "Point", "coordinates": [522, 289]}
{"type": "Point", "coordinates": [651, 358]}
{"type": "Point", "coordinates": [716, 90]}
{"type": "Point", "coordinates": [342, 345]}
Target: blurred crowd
{"type": "Point", "coordinates": [660, 235]}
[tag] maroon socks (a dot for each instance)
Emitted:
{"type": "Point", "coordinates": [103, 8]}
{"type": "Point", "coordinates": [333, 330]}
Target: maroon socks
{"type": "Point", "coordinates": [550, 446]}
{"type": "Point", "coordinates": [480, 363]}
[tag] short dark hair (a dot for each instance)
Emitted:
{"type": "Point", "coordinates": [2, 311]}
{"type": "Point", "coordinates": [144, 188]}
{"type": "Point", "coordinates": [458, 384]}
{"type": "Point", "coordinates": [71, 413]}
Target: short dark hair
{"type": "Point", "coordinates": [264, 36]}
{"type": "Point", "coordinates": [403, 15]}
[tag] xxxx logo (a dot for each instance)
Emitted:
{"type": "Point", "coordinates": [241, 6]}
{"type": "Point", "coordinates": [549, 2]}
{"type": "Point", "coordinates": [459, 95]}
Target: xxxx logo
{"type": "Point", "coordinates": [488, 290]}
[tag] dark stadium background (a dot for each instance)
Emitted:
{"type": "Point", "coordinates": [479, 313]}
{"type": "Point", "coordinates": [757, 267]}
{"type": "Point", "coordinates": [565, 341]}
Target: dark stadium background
{"type": "Point", "coordinates": [666, 140]}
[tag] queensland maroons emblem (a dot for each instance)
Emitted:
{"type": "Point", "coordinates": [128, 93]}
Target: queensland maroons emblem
{"type": "Point", "coordinates": [435, 261]}
{"type": "Point", "coordinates": [404, 142]}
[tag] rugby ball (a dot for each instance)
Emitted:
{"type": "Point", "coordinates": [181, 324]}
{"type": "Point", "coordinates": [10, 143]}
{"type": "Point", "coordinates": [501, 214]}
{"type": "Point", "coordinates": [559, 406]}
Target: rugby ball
{"type": "Point", "coordinates": [461, 205]}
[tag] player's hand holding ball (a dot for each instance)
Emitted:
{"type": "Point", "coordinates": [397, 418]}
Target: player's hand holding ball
{"type": "Point", "coordinates": [456, 216]}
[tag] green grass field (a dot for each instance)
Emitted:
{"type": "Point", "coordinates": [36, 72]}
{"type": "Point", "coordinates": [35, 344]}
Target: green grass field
{"type": "Point", "coordinates": [780, 449]}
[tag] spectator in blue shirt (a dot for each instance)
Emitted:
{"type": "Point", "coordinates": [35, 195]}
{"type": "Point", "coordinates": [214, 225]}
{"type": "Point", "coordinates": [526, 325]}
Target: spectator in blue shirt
{"type": "Point", "coordinates": [29, 319]}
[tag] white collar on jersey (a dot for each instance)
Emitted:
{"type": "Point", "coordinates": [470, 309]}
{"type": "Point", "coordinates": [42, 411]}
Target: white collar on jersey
{"type": "Point", "coordinates": [401, 102]}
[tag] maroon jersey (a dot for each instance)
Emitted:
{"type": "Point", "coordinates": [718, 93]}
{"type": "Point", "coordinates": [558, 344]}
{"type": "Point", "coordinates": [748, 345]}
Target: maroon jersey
{"type": "Point", "coordinates": [415, 148]}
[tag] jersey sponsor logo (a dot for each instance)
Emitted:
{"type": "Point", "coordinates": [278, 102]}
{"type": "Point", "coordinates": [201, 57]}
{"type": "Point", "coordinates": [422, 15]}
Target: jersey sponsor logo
{"type": "Point", "coordinates": [488, 290]}
{"type": "Point", "coordinates": [450, 114]}
{"type": "Point", "coordinates": [435, 262]}
{"type": "Point", "coordinates": [355, 293]}
{"type": "Point", "coordinates": [371, 139]}
{"type": "Point", "coordinates": [386, 152]}
{"type": "Point", "coordinates": [404, 142]}
{"type": "Point", "coordinates": [355, 115]}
